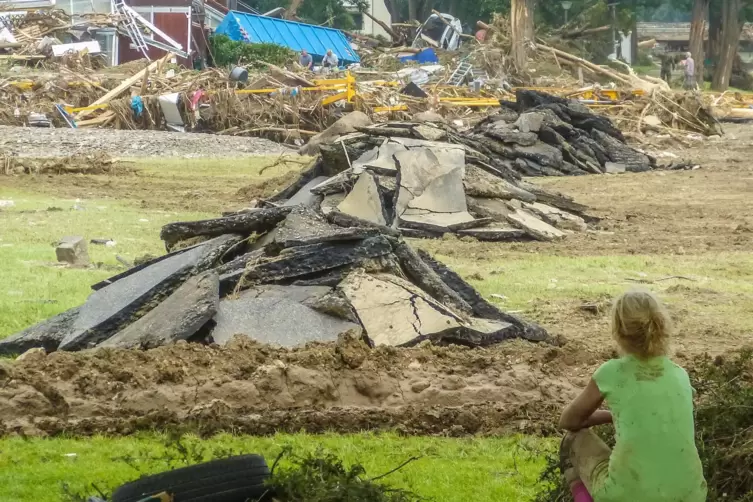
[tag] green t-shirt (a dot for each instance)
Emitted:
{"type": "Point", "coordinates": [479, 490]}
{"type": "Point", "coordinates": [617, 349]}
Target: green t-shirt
{"type": "Point", "coordinates": [655, 458]}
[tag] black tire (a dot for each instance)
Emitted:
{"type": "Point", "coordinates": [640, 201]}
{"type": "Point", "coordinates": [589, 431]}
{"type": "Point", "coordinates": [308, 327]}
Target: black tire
{"type": "Point", "coordinates": [234, 479]}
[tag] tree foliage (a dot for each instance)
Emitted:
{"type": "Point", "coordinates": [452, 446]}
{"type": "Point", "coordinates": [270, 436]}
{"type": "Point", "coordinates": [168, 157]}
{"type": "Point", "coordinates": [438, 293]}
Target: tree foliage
{"type": "Point", "coordinates": [228, 52]}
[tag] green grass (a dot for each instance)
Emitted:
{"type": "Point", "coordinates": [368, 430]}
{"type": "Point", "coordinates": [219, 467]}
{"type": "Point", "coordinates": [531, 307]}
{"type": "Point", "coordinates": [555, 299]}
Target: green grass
{"type": "Point", "coordinates": [527, 278]}
{"type": "Point", "coordinates": [448, 470]}
{"type": "Point", "coordinates": [34, 286]}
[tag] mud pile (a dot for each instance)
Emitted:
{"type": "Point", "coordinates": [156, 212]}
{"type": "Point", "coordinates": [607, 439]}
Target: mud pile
{"type": "Point", "coordinates": [257, 389]}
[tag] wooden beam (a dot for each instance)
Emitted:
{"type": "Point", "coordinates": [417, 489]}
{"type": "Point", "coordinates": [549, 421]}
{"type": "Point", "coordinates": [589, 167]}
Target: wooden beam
{"type": "Point", "coordinates": [124, 86]}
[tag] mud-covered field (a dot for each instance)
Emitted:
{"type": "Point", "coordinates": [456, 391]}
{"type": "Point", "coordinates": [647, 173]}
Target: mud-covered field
{"type": "Point", "coordinates": [703, 217]}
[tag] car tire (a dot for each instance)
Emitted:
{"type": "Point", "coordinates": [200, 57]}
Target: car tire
{"type": "Point", "coordinates": [233, 479]}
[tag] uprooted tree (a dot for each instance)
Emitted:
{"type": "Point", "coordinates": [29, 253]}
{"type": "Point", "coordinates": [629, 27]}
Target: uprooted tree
{"type": "Point", "coordinates": [732, 20]}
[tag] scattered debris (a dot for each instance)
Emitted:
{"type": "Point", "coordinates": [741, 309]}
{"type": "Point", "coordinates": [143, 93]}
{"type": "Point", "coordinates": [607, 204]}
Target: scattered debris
{"type": "Point", "coordinates": [73, 250]}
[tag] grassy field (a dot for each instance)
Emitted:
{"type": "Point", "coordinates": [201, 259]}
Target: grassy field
{"type": "Point", "coordinates": [710, 294]}
{"type": "Point", "coordinates": [447, 470]}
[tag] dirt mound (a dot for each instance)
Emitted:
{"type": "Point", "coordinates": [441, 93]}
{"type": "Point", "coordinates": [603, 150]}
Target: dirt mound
{"type": "Point", "coordinates": [97, 163]}
{"type": "Point", "coordinates": [258, 389]}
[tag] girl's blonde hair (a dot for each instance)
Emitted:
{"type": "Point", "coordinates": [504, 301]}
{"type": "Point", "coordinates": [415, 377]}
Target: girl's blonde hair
{"type": "Point", "coordinates": [641, 325]}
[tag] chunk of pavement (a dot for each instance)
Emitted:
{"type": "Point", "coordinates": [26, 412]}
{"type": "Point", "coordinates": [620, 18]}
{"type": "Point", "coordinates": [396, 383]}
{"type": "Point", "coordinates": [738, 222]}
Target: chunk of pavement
{"type": "Point", "coordinates": [620, 153]}
{"type": "Point", "coordinates": [418, 168]}
{"type": "Point", "coordinates": [345, 220]}
{"type": "Point", "coordinates": [148, 262]}
{"type": "Point", "coordinates": [304, 195]}
{"type": "Point", "coordinates": [443, 194]}
{"type": "Point", "coordinates": [515, 137]}
{"type": "Point", "coordinates": [333, 303]}
{"type": "Point", "coordinates": [304, 227]}
{"type": "Point", "coordinates": [436, 222]}
{"type": "Point", "coordinates": [530, 122]}
{"type": "Point", "coordinates": [424, 277]}
{"type": "Point", "coordinates": [430, 132]}
{"type": "Point", "coordinates": [429, 116]}
{"type": "Point", "coordinates": [488, 208]}
{"type": "Point", "coordinates": [275, 320]}
{"type": "Point", "coordinates": [259, 222]}
{"type": "Point", "coordinates": [336, 184]}
{"type": "Point", "coordinates": [217, 249]}
{"type": "Point", "coordinates": [345, 125]}
{"type": "Point", "coordinates": [110, 309]}
{"type": "Point", "coordinates": [533, 225]}
{"type": "Point", "coordinates": [47, 334]}
{"type": "Point", "coordinates": [482, 308]}
{"type": "Point", "coordinates": [495, 233]}
{"type": "Point", "coordinates": [306, 261]}
{"type": "Point", "coordinates": [479, 183]}
{"type": "Point", "coordinates": [486, 332]}
{"type": "Point", "coordinates": [178, 317]}
{"type": "Point", "coordinates": [557, 217]}
{"type": "Point", "coordinates": [614, 168]}
{"type": "Point", "coordinates": [541, 153]}
{"type": "Point", "coordinates": [380, 160]}
{"type": "Point", "coordinates": [73, 251]}
{"type": "Point", "coordinates": [364, 200]}
{"type": "Point", "coordinates": [300, 294]}
{"type": "Point", "coordinates": [330, 202]}
{"type": "Point", "coordinates": [393, 312]}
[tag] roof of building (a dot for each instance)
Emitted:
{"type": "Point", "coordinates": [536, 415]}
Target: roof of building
{"type": "Point", "coordinates": [296, 36]}
{"type": "Point", "coordinates": [680, 32]}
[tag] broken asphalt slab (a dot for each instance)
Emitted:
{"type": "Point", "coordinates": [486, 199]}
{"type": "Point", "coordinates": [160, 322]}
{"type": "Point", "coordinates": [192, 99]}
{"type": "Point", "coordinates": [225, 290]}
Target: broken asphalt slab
{"type": "Point", "coordinates": [178, 317]}
{"type": "Point", "coordinates": [46, 335]}
{"type": "Point", "coordinates": [275, 319]}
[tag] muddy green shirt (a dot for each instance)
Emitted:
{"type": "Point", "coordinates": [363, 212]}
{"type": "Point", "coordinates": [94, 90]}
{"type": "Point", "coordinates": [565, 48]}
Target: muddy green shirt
{"type": "Point", "coordinates": [655, 458]}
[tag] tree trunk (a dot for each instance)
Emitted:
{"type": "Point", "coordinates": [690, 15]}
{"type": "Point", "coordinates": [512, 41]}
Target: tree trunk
{"type": "Point", "coordinates": [293, 9]}
{"type": "Point", "coordinates": [715, 32]}
{"type": "Point", "coordinates": [697, 29]}
{"type": "Point", "coordinates": [412, 10]}
{"type": "Point", "coordinates": [730, 40]}
{"type": "Point", "coordinates": [634, 35]}
{"type": "Point", "coordinates": [521, 31]}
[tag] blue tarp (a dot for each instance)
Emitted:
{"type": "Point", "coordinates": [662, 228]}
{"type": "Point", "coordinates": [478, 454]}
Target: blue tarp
{"type": "Point", "coordinates": [425, 56]}
{"type": "Point", "coordinates": [316, 40]}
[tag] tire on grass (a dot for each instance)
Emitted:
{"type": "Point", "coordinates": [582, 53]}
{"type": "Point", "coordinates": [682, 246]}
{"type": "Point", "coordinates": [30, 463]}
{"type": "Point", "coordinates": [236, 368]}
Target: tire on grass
{"type": "Point", "coordinates": [234, 479]}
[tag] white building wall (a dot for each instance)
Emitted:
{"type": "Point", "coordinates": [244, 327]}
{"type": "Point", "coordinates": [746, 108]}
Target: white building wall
{"type": "Point", "coordinates": [378, 9]}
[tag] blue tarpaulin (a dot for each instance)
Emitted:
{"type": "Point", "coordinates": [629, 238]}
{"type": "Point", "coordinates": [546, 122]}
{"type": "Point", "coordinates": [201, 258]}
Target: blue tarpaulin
{"type": "Point", "coordinates": [251, 28]}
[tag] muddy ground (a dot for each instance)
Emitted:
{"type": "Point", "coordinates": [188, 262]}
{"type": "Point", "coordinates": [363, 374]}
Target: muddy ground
{"type": "Point", "coordinates": [425, 390]}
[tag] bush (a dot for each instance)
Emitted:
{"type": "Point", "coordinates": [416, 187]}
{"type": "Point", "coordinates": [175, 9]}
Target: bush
{"type": "Point", "coordinates": [322, 477]}
{"type": "Point", "coordinates": [226, 52]}
{"type": "Point", "coordinates": [724, 432]}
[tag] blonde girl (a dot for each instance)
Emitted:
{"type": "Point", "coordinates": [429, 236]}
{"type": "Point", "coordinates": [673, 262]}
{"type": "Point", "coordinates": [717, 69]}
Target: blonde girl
{"type": "Point", "coordinates": [650, 402]}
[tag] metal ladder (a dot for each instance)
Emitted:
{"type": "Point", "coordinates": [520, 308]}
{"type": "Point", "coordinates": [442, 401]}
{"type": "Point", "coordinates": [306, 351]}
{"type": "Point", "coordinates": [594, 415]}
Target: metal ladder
{"type": "Point", "coordinates": [458, 76]}
{"type": "Point", "coordinates": [132, 27]}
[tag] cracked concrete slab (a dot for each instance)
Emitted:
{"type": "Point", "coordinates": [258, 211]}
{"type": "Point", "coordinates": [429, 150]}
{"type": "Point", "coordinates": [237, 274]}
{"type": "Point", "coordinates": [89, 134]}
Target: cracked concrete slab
{"type": "Point", "coordinates": [533, 226]}
{"type": "Point", "coordinates": [444, 194]}
{"type": "Point", "coordinates": [364, 200]}
{"type": "Point", "coordinates": [557, 217]}
{"type": "Point", "coordinates": [380, 160]}
{"type": "Point", "coordinates": [394, 312]}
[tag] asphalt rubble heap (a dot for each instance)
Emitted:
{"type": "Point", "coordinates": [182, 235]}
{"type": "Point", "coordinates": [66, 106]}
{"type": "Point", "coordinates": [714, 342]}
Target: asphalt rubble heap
{"type": "Point", "coordinates": [285, 276]}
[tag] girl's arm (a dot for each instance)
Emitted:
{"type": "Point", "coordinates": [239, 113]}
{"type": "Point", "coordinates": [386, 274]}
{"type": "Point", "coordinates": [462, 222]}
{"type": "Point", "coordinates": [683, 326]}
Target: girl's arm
{"type": "Point", "coordinates": [584, 411]}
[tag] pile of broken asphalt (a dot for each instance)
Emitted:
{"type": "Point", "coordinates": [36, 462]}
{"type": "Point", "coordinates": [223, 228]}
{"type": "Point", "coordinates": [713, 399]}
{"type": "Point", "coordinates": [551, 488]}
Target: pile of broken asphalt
{"type": "Point", "coordinates": [285, 276]}
{"type": "Point", "coordinates": [326, 256]}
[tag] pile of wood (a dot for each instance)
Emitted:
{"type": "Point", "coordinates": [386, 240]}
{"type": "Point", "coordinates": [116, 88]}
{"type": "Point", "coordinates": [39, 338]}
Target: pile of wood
{"type": "Point", "coordinates": [285, 276]}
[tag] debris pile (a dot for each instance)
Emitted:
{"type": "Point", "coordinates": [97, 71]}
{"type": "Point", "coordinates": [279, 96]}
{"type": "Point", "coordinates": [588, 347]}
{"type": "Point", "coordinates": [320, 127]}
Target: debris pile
{"type": "Point", "coordinates": [426, 180]}
{"type": "Point", "coordinates": [282, 275]}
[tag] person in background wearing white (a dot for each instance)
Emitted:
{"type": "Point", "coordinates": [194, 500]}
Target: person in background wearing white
{"type": "Point", "coordinates": [689, 65]}
{"type": "Point", "coordinates": [330, 60]}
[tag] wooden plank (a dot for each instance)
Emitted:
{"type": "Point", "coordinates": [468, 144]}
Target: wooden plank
{"type": "Point", "coordinates": [124, 86]}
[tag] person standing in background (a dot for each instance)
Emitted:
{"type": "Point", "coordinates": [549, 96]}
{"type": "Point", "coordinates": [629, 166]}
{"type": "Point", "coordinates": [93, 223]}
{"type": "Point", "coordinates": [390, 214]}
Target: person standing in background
{"type": "Point", "coordinates": [689, 65]}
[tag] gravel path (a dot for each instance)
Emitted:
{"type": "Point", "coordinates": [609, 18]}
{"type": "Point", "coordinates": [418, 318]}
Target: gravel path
{"type": "Point", "coordinates": [44, 142]}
